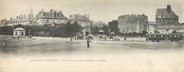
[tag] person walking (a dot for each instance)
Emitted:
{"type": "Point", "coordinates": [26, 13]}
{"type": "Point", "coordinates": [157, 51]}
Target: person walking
{"type": "Point", "coordinates": [3, 44]}
{"type": "Point", "coordinates": [88, 42]}
{"type": "Point", "coordinates": [18, 37]}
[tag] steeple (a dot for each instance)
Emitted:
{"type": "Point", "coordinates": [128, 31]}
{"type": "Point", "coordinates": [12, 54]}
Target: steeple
{"type": "Point", "coordinates": [31, 11]}
{"type": "Point", "coordinates": [31, 16]}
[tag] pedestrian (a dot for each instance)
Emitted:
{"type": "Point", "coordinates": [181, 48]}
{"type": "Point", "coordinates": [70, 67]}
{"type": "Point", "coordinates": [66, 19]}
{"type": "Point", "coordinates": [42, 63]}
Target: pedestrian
{"type": "Point", "coordinates": [18, 37]}
{"type": "Point", "coordinates": [88, 43]}
{"type": "Point", "coordinates": [88, 40]}
{"type": "Point", "coordinates": [3, 44]}
{"type": "Point", "coordinates": [71, 39]}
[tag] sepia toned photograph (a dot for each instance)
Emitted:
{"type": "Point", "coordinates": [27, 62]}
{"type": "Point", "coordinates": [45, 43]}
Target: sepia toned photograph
{"type": "Point", "coordinates": [91, 36]}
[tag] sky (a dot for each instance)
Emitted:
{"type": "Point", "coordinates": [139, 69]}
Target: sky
{"type": "Point", "coordinates": [99, 10]}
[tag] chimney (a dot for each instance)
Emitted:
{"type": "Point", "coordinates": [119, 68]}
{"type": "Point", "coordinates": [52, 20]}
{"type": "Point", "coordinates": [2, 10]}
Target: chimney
{"type": "Point", "coordinates": [168, 8]}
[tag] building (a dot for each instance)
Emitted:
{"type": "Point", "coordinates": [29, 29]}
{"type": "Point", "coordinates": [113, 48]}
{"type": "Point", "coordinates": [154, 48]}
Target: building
{"type": "Point", "coordinates": [19, 32]}
{"type": "Point", "coordinates": [132, 23]}
{"type": "Point", "coordinates": [20, 19]}
{"type": "Point", "coordinates": [98, 24]}
{"type": "Point", "coordinates": [167, 21]}
{"type": "Point", "coordinates": [151, 27]}
{"type": "Point", "coordinates": [51, 17]}
{"type": "Point", "coordinates": [82, 20]}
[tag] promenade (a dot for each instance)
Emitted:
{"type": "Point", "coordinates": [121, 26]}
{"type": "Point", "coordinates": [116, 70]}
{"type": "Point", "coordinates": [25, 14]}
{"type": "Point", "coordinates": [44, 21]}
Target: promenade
{"type": "Point", "coordinates": [50, 45]}
{"type": "Point", "coordinates": [143, 56]}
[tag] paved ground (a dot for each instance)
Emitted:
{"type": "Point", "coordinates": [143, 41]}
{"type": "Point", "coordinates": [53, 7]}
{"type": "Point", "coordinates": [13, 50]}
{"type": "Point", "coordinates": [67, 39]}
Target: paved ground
{"type": "Point", "coordinates": [61, 55]}
{"type": "Point", "coordinates": [49, 45]}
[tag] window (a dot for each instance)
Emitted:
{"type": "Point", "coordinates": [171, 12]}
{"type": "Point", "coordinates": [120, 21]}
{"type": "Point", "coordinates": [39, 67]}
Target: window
{"type": "Point", "coordinates": [154, 36]}
{"type": "Point", "coordinates": [159, 16]}
{"type": "Point", "coordinates": [175, 36]}
{"type": "Point", "coordinates": [162, 11]}
{"type": "Point", "coordinates": [157, 20]}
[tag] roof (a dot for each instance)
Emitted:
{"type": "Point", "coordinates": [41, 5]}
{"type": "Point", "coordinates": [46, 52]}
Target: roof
{"type": "Point", "coordinates": [133, 16]}
{"type": "Point", "coordinates": [51, 15]}
{"type": "Point", "coordinates": [176, 26]}
{"type": "Point", "coordinates": [164, 12]}
{"type": "Point", "coordinates": [19, 29]}
{"type": "Point", "coordinates": [175, 34]}
{"type": "Point", "coordinates": [154, 34]}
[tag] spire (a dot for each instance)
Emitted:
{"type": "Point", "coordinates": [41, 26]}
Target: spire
{"type": "Point", "coordinates": [31, 15]}
{"type": "Point", "coordinates": [31, 11]}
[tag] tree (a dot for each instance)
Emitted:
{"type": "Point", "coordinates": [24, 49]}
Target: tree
{"type": "Point", "coordinates": [19, 25]}
{"type": "Point", "coordinates": [144, 32]}
{"type": "Point", "coordinates": [105, 28]}
{"type": "Point", "coordinates": [76, 28]}
{"type": "Point", "coordinates": [174, 31]}
{"type": "Point", "coordinates": [6, 30]}
{"type": "Point", "coordinates": [59, 31]}
{"type": "Point", "coordinates": [113, 26]}
{"type": "Point", "coordinates": [94, 29]}
{"type": "Point", "coordinates": [67, 29]}
{"type": "Point", "coordinates": [71, 30]}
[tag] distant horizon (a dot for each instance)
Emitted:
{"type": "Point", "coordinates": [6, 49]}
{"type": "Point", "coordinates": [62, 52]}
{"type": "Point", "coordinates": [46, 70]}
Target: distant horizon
{"type": "Point", "coordinates": [102, 10]}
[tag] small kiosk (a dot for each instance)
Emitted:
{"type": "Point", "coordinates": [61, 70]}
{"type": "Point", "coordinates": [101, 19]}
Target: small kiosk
{"type": "Point", "coordinates": [19, 32]}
